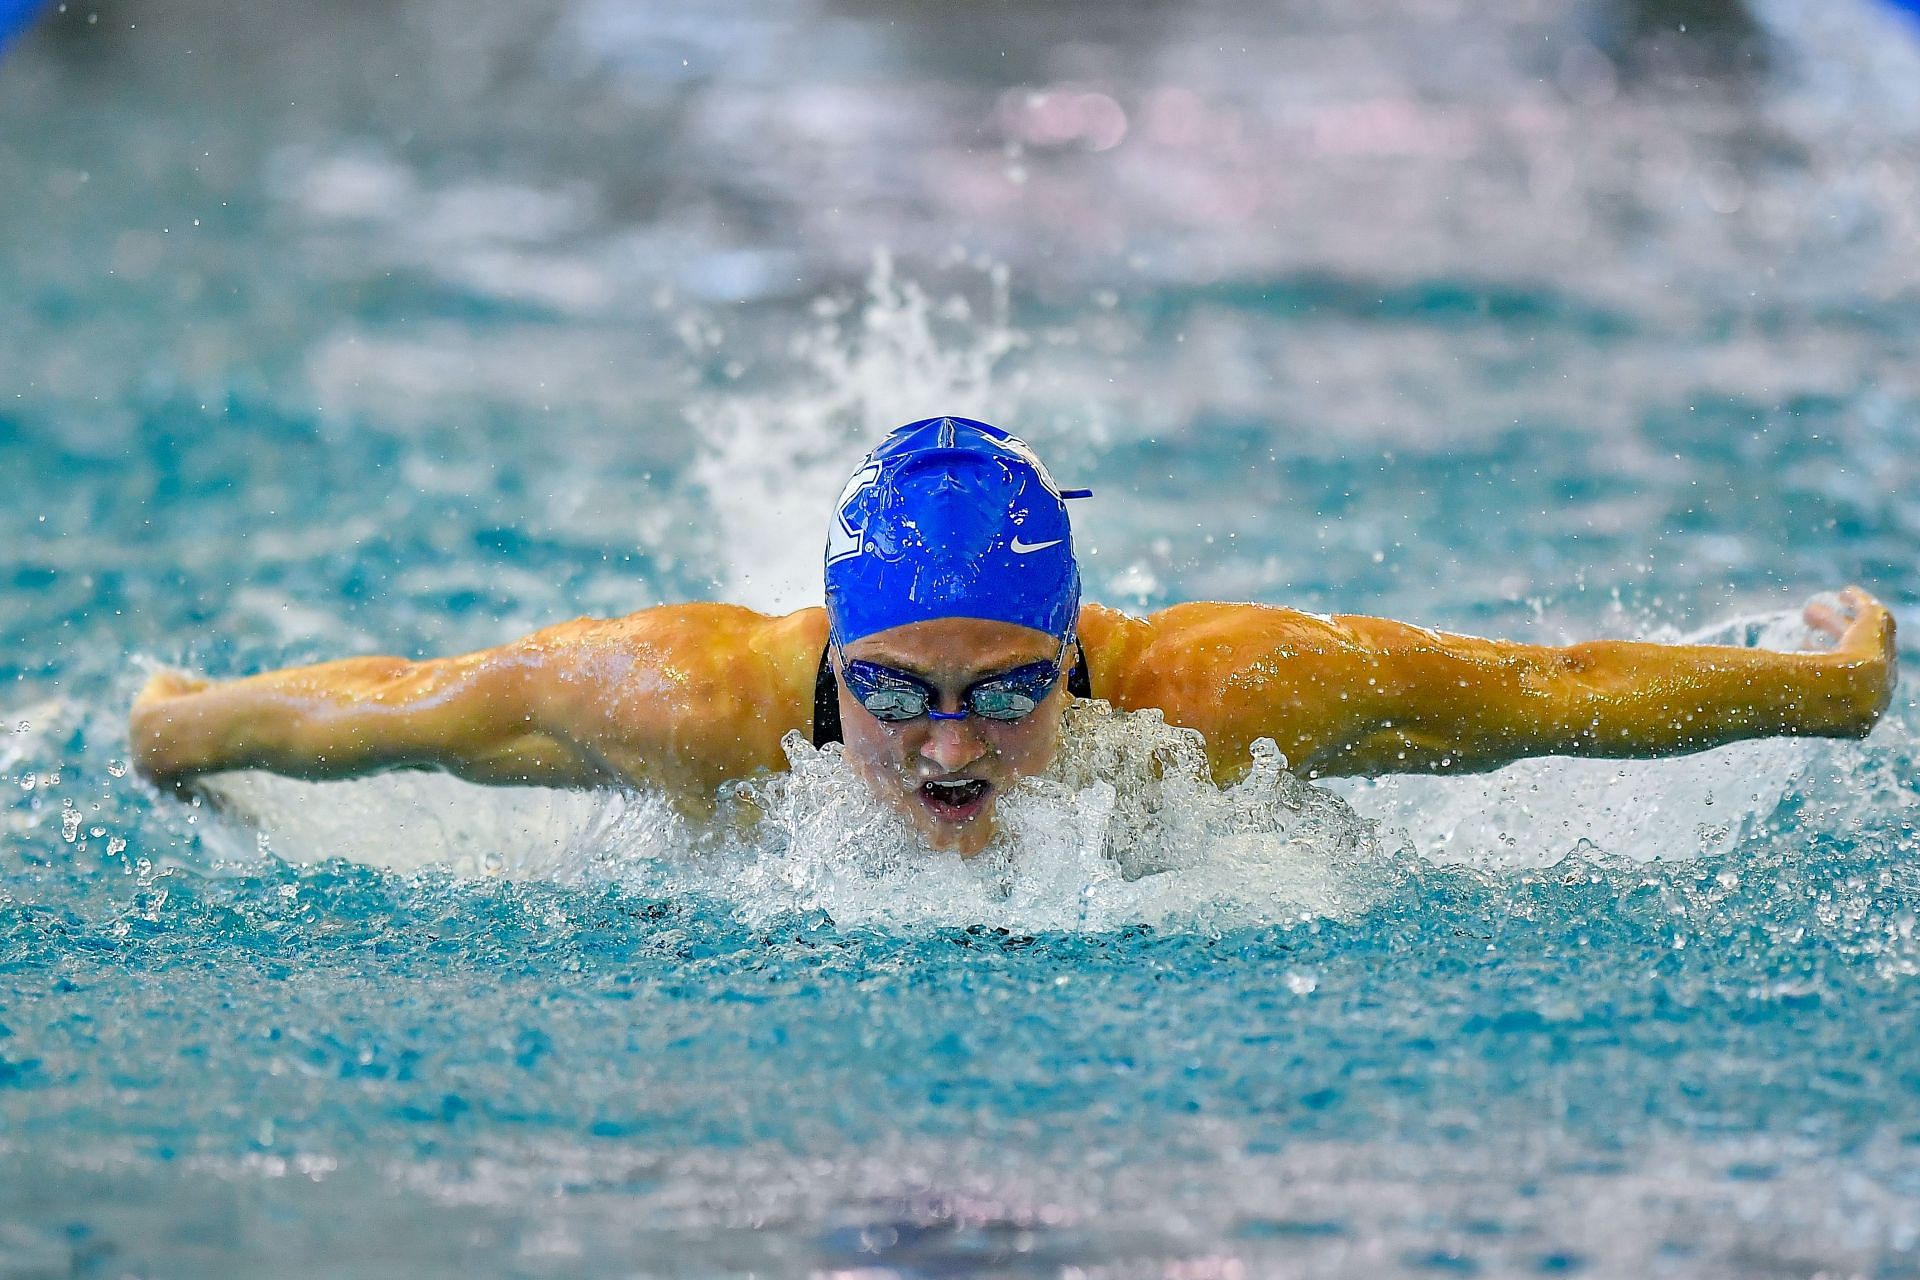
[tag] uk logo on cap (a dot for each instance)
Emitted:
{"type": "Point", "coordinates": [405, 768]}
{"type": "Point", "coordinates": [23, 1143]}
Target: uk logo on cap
{"type": "Point", "coordinates": [844, 538]}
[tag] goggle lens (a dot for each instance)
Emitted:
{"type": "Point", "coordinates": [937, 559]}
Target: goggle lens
{"type": "Point", "coordinates": [896, 697]}
{"type": "Point", "coordinates": [894, 704]}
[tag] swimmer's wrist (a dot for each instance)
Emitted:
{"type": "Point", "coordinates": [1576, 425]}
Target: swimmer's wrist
{"type": "Point", "coordinates": [1844, 695]}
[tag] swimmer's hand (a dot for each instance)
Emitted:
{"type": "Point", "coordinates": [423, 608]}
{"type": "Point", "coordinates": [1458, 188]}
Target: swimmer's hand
{"type": "Point", "coordinates": [166, 684]}
{"type": "Point", "coordinates": [1861, 629]}
{"type": "Point", "coordinates": [147, 726]}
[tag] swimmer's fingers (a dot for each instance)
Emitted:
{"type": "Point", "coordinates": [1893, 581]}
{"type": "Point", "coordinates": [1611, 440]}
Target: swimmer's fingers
{"type": "Point", "coordinates": [1869, 627]}
{"type": "Point", "coordinates": [1851, 616]}
{"type": "Point", "coordinates": [1825, 616]}
{"type": "Point", "coordinates": [169, 683]}
{"type": "Point", "coordinates": [1855, 619]}
{"type": "Point", "coordinates": [1864, 631]}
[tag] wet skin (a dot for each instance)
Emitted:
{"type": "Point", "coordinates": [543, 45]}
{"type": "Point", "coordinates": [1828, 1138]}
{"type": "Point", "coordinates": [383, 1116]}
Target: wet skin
{"type": "Point", "coordinates": [946, 776]}
{"type": "Point", "coordinates": [682, 698]}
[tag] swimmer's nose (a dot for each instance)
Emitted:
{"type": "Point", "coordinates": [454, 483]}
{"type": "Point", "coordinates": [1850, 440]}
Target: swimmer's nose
{"type": "Point", "coordinates": [952, 744]}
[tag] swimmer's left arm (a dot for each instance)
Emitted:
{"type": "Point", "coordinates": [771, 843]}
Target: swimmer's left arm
{"type": "Point", "coordinates": [1355, 695]}
{"type": "Point", "coordinates": [1460, 704]}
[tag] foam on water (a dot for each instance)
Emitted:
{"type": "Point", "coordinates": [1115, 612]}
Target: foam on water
{"type": "Point", "coordinates": [1126, 828]}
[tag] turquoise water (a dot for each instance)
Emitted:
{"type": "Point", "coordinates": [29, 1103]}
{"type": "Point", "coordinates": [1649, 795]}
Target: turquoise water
{"type": "Point", "coordinates": [408, 330]}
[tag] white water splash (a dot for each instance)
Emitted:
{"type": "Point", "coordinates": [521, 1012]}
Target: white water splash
{"type": "Point", "coordinates": [22, 729]}
{"type": "Point", "coordinates": [411, 822]}
{"type": "Point", "coordinates": [772, 462]}
{"type": "Point", "coordinates": [1126, 828]}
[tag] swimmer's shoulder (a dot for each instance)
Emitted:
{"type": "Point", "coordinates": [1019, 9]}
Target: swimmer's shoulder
{"type": "Point", "coordinates": [1130, 659]}
{"type": "Point", "coordinates": [694, 625]}
{"type": "Point", "coordinates": [725, 642]}
{"type": "Point", "coordinates": [708, 689]}
{"type": "Point", "coordinates": [726, 651]}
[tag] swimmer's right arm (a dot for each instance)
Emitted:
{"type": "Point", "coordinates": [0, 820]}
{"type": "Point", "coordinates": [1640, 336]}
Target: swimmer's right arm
{"type": "Point", "coordinates": [683, 697]}
{"type": "Point", "coordinates": [472, 716]}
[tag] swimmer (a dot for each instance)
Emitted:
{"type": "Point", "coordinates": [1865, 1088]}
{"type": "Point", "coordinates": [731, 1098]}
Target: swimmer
{"type": "Point", "coordinates": [952, 639]}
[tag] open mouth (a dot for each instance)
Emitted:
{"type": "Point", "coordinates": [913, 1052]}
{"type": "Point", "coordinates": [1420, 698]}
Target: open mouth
{"type": "Point", "coordinates": [957, 800]}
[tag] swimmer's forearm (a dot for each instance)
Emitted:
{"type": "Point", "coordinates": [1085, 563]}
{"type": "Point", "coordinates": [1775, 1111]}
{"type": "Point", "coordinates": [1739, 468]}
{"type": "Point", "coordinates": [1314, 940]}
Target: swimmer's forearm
{"type": "Point", "coordinates": [342, 719]}
{"type": "Point", "coordinates": [1483, 705]}
{"type": "Point", "coordinates": [306, 722]}
{"type": "Point", "coordinates": [1648, 699]}
{"type": "Point", "coordinates": [1686, 697]}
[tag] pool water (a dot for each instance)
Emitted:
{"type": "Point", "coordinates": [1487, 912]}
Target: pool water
{"type": "Point", "coordinates": [408, 329]}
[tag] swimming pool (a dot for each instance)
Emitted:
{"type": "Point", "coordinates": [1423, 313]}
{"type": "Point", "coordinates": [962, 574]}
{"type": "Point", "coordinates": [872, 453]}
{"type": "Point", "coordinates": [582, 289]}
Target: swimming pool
{"type": "Point", "coordinates": [407, 330]}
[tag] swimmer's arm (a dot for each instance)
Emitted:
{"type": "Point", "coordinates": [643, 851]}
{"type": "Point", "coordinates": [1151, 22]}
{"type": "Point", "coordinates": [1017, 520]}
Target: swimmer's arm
{"type": "Point", "coordinates": [1354, 695]}
{"type": "Point", "coordinates": [1459, 704]}
{"type": "Point", "coordinates": [475, 716]}
{"type": "Point", "coordinates": [682, 697]}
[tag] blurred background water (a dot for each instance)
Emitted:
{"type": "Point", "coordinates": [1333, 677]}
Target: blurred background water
{"type": "Point", "coordinates": [407, 327]}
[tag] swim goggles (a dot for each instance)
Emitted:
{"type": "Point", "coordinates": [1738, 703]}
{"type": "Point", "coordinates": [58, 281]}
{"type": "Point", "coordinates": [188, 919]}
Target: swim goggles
{"type": "Point", "coordinates": [896, 697]}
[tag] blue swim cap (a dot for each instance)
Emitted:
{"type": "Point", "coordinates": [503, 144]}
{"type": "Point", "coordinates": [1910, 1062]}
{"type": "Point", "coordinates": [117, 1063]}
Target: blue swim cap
{"type": "Point", "coordinates": [951, 518]}
{"type": "Point", "coordinates": [15, 17]}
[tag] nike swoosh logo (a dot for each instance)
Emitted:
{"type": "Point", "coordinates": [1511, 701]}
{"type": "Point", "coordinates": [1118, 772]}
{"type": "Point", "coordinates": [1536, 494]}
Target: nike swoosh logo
{"type": "Point", "coordinates": [1026, 548]}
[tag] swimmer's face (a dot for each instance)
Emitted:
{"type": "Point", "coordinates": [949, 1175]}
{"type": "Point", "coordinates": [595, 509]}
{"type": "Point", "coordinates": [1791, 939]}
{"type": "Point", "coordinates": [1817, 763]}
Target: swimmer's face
{"type": "Point", "coordinates": [946, 776]}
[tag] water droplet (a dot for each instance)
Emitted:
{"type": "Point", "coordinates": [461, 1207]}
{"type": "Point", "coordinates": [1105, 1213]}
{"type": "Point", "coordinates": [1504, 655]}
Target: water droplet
{"type": "Point", "coordinates": [118, 768]}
